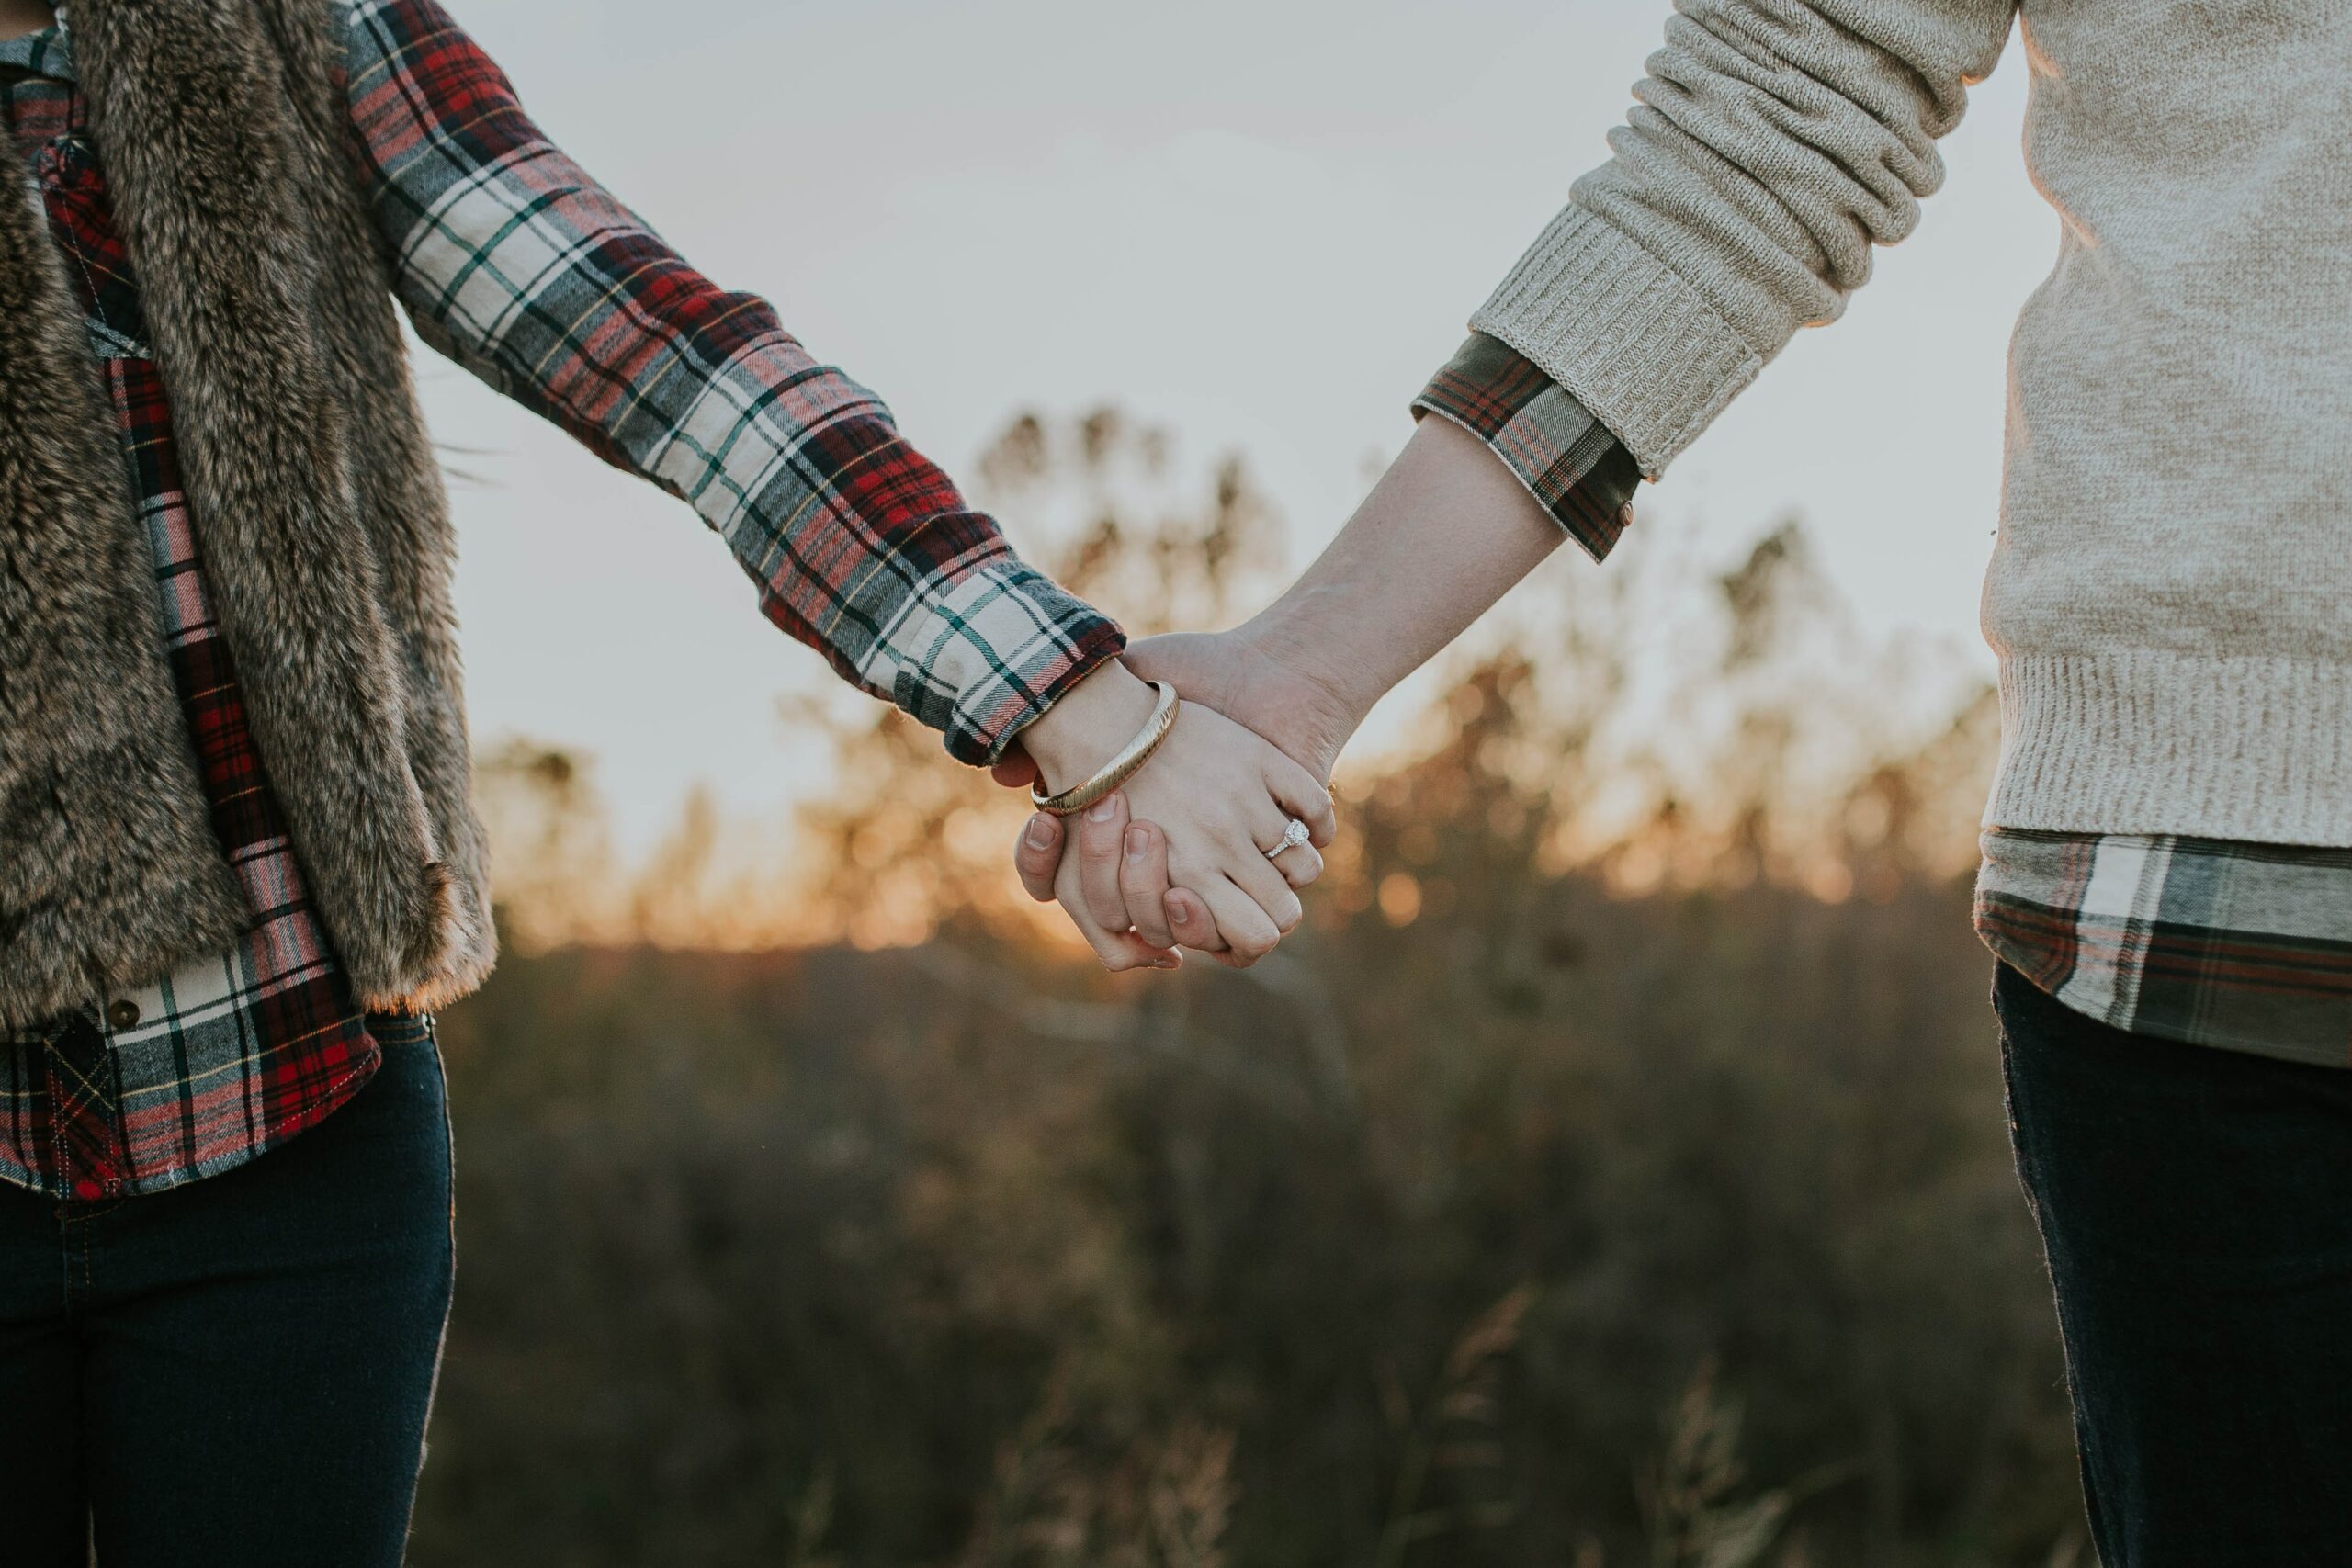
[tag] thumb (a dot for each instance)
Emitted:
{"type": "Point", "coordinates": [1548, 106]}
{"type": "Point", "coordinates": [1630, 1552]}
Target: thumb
{"type": "Point", "coordinates": [1038, 855]}
{"type": "Point", "coordinates": [1192, 662]}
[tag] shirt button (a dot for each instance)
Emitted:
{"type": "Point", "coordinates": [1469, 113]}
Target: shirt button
{"type": "Point", "coordinates": [123, 1013]}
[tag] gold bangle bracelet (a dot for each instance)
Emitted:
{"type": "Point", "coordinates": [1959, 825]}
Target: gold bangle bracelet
{"type": "Point", "coordinates": [1119, 769]}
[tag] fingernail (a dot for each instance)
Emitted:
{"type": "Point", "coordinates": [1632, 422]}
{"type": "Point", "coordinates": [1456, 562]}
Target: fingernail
{"type": "Point", "coordinates": [1041, 832]}
{"type": "Point", "coordinates": [1137, 842]}
{"type": "Point", "coordinates": [1181, 913]}
{"type": "Point", "coordinates": [1168, 964]}
{"type": "Point", "coordinates": [1104, 810]}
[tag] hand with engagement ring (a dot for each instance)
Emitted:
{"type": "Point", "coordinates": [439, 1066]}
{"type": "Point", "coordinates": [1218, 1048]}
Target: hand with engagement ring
{"type": "Point", "coordinates": [1218, 812]}
{"type": "Point", "coordinates": [1123, 854]}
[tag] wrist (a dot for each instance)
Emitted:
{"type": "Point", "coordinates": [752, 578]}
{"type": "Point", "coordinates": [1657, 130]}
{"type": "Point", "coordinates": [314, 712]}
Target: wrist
{"type": "Point", "coordinates": [1293, 642]}
{"type": "Point", "coordinates": [1071, 741]}
{"type": "Point", "coordinates": [1320, 700]}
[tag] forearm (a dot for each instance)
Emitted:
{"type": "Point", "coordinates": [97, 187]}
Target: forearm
{"type": "Point", "coordinates": [1446, 533]}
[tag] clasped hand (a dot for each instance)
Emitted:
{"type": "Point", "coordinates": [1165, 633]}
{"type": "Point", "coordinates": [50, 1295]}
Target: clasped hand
{"type": "Point", "coordinates": [1181, 861]}
{"type": "Point", "coordinates": [1180, 857]}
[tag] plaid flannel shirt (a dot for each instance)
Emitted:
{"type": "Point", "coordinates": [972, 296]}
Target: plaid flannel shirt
{"type": "Point", "coordinates": [2208, 941]}
{"type": "Point", "coordinates": [2247, 947]}
{"type": "Point", "coordinates": [513, 262]}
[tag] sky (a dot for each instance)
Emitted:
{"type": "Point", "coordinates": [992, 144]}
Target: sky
{"type": "Point", "coordinates": [1260, 224]}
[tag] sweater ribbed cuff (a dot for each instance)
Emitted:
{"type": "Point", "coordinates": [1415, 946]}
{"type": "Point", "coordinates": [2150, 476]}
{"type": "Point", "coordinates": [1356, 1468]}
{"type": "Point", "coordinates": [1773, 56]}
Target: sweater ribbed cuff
{"type": "Point", "coordinates": [1622, 333]}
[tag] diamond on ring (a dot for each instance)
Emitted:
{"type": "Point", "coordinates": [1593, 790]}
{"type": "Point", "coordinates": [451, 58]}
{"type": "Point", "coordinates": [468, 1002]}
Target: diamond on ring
{"type": "Point", "coordinates": [1297, 834]}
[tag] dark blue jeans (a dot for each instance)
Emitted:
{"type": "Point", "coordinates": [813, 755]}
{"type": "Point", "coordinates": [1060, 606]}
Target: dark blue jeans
{"type": "Point", "coordinates": [2196, 1206]}
{"type": "Point", "coordinates": [235, 1371]}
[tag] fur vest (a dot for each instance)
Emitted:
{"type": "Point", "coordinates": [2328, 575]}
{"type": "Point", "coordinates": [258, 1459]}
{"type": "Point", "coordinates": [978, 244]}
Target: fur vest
{"type": "Point", "coordinates": [322, 524]}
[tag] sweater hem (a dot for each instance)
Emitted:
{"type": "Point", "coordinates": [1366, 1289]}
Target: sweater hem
{"type": "Point", "coordinates": [2147, 740]}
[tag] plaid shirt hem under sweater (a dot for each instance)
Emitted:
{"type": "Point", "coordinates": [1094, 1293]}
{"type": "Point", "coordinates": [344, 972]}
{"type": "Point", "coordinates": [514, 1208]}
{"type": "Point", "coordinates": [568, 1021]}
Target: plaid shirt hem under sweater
{"type": "Point", "coordinates": [515, 263]}
{"type": "Point", "coordinates": [2247, 947]}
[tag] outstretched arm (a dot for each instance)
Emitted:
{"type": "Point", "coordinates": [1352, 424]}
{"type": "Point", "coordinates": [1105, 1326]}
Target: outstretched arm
{"type": "Point", "coordinates": [518, 264]}
{"type": "Point", "coordinates": [513, 262]}
{"type": "Point", "coordinates": [1772, 145]}
{"type": "Point", "coordinates": [1446, 533]}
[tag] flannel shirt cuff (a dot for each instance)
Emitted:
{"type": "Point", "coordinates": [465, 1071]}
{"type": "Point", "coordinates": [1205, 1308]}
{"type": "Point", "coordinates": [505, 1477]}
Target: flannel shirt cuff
{"type": "Point", "coordinates": [1567, 459]}
{"type": "Point", "coordinates": [983, 657]}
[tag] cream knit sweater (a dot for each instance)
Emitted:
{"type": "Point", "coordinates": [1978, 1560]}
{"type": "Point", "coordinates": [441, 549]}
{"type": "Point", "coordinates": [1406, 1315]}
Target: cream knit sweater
{"type": "Point", "coordinates": [2171, 597]}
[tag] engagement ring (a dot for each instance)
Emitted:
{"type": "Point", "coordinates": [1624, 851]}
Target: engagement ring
{"type": "Point", "coordinates": [1295, 835]}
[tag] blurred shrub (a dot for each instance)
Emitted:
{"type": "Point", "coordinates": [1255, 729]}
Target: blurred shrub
{"type": "Point", "coordinates": [1613, 1172]}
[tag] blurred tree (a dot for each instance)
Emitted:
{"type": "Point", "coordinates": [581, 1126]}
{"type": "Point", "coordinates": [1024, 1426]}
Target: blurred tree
{"type": "Point", "coordinates": [1613, 1173]}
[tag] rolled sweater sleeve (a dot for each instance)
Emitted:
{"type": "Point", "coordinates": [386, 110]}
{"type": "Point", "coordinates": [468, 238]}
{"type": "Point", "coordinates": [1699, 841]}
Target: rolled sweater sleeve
{"type": "Point", "coordinates": [514, 263]}
{"type": "Point", "coordinates": [1771, 145]}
